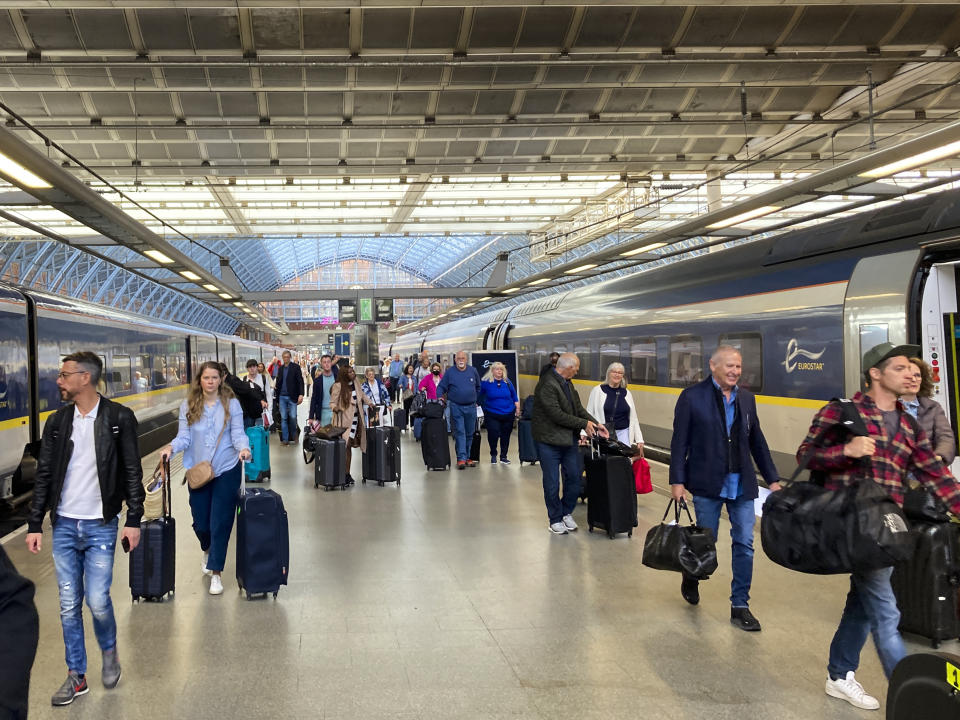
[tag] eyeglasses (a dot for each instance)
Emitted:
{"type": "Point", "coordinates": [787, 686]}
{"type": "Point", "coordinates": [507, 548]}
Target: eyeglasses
{"type": "Point", "coordinates": [62, 375]}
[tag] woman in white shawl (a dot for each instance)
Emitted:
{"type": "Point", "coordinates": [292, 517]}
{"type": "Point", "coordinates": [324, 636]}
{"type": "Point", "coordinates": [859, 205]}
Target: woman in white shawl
{"type": "Point", "coordinates": [612, 405]}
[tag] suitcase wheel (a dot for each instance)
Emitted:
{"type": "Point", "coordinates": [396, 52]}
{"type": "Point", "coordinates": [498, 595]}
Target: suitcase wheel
{"type": "Point", "coordinates": [610, 535]}
{"type": "Point", "coordinates": [380, 483]}
{"type": "Point", "coordinates": [590, 529]}
{"type": "Point", "coordinates": [629, 533]}
{"type": "Point", "coordinates": [364, 481]}
{"type": "Point", "coordinates": [275, 594]}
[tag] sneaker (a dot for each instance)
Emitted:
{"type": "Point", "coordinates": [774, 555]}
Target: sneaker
{"type": "Point", "coordinates": [203, 565]}
{"type": "Point", "coordinates": [216, 585]}
{"type": "Point", "coordinates": [558, 528]}
{"type": "Point", "coordinates": [493, 459]}
{"type": "Point", "coordinates": [569, 523]}
{"type": "Point", "coordinates": [461, 464]}
{"type": "Point", "coordinates": [504, 461]}
{"type": "Point", "coordinates": [74, 685]}
{"type": "Point", "coordinates": [471, 463]}
{"type": "Point", "coordinates": [690, 590]}
{"type": "Point", "coordinates": [744, 619]}
{"type": "Point", "coordinates": [850, 690]}
{"type": "Point", "coordinates": [110, 673]}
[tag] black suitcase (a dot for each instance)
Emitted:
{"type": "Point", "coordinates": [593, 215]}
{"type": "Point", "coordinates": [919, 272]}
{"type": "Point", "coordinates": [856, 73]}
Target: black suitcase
{"type": "Point", "coordinates": [400, 418]}
{"type": "Point", "coordinates": [381, 461]}
{"type": "Point", "coordinates": [926, 586]}
{"type": "Point", "coordinates": [434, 444]}
{"type": "Point", "coordinates": [330, 464]}
{"type": "Point", "coordinates": [263, 541]}
{"type": "Point", "coordinates": [527, 446]}
{"type": "Point", "coordinates": [153, 560]}
{"type": "Point", "coordinates": [612, 493]}
{"type": "Point", "coordinates": [475, 447]}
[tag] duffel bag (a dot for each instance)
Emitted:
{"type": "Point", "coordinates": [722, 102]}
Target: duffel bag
{"type": "Point", "coordinates": [432, 409]}
{"type": "Point", "coordinates": [689, 549]}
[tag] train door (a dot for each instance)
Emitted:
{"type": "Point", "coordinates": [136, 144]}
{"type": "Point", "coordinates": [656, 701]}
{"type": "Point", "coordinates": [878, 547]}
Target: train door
{"type": "Point", "coordinates": [939, 331]}
{"type": "Point", "coordinates": [500, 336]}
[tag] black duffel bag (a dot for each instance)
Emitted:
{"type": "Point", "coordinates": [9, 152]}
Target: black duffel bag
{"type": "Point", "coordinates": [689, 549]}
{"type": "Point", "coordinates": [433, 409]}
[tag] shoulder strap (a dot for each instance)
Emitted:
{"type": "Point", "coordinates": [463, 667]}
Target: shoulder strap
{"type": "Point", "coordinates": [852, 422]}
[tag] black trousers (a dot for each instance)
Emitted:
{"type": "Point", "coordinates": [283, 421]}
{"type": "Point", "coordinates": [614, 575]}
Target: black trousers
{"type": "Point", "coordinates": [499, 429]}
{"type": "Point", "coordinates": [20, 630]}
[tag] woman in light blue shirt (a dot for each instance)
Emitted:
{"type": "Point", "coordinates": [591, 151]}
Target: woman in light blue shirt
{"type": "Point", "coordinates": [211, 428]}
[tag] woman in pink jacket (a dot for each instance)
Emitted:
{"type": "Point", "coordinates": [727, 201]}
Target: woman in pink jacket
{"type": "Point", "coordinates": [430, 382]}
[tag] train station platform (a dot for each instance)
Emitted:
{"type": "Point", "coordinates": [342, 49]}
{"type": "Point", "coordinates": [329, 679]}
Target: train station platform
{"type": "Point", "coordinates": [447, 598]}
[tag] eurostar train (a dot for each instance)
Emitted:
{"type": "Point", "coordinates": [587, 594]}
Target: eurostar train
{"type": "Point", "coordinates": [147, 366]}
{"type": "Point", "coordinates": [802, 307]}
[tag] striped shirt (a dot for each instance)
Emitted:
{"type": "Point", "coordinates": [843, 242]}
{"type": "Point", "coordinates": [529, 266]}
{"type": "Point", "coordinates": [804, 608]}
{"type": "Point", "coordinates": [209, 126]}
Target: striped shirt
{"type": "Point", "coordinates": [894, 457]}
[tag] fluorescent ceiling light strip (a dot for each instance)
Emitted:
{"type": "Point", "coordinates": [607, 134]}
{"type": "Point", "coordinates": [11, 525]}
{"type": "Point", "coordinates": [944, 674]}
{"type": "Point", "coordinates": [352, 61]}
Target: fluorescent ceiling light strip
{"type": "Point", "coordinates": [540, 281]}
{"type": "Point", "coordinates": [511, 290]}
{"type": "Point", "coordinates": [581, 268]}
{"type": "Point", "coordinates": [211, 287]}
{"type": "Point", "coordinates": [645, 248]}
{"type": "Point", "coordinates": [158, 256]}
{"type": "Point", "coordinates": [225, 296]}
{"type": "Point", "coordinates": [914, 161]}
{"type": "Point", "coordinates": [189, 274]}
{"type": "Point", "coordinates": [14, 170]}
{"type": "Point", "coordinates": [743, 217]}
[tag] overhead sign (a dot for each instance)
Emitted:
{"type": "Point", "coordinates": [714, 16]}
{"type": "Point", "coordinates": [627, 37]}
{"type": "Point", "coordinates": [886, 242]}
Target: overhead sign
{"type": "Point", "coordinates": [347, 311]}
{"type": "Point", "coordinates": [342, 344]}
{"type": "Point", "coordinates": [366, 310]}
{"type": "Point", "coordinates": [384, 310]}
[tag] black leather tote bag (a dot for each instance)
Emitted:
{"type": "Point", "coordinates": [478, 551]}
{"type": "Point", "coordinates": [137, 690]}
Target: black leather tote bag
{"type": "Point", "coordinates": [689, 549]}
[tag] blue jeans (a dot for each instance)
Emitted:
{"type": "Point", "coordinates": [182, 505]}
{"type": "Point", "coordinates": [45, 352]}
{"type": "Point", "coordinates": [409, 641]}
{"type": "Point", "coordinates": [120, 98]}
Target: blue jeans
{"type": "Point", "coordinates": [871, 608]}
{"type": "Point", "coordinates": [499, 429]}
{"type": "Point", "coordinates": [83, 557]}
{"type": "Point", "coordinates": [742, 518]}
{"type": "Point", "coordinates": [464, 419]}
{"type": "Point", "coordinates": [213, 507]}
{"type": "Point", "coordinates": [552, 457]}
{"type": "Point", "coordinates": [250, 422]}
{"type": "Point", "coordinates": [288, 418]}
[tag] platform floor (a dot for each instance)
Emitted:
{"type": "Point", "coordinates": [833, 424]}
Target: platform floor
{"type": "Point", "coordinates": [447, 598]}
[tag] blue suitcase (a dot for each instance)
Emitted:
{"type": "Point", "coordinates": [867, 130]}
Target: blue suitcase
{"type": "Point", "coordinates": [417, 427]}
{"type": "Point", "coordinates": [527, 447]}
{"type": "Point", "coordinates": [263, 541]}
{"type": "Point", "coordinates": [258, 469]}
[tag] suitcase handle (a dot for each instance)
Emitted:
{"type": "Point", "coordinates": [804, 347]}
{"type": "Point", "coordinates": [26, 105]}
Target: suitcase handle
{"type": "Point", "coordinates": [165, 489]}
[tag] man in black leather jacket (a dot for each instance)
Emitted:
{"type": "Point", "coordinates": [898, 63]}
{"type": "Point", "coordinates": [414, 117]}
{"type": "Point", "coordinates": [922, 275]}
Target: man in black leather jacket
{"type": "Point", "coordinates": [89, 465]}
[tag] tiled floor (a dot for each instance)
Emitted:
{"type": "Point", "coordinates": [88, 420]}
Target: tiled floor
{"type": "Point", "coordinates": [448, 598]}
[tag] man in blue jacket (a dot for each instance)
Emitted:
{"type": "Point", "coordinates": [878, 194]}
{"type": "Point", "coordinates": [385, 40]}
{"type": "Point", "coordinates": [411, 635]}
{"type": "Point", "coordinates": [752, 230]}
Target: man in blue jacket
{"type": "Point", "coordinates": [289, 392]}
{"type": "Point", "coordinates": [715, 433]}
{"type": "Point", "coordinates": [461, 387]}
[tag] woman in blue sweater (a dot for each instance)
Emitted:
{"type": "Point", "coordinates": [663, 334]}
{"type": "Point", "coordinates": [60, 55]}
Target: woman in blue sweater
{"type": "Point", "coordinates": [500, 403]}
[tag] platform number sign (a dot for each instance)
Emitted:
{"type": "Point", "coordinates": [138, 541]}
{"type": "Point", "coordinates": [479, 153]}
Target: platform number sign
{"type": "Point", "coordinates": [953, 676]}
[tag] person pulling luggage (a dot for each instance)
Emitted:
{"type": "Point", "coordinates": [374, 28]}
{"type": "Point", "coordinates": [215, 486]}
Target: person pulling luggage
{"type": "Point", "coordinates": [346, 399]}
{"type": "Point", "coordinates": [460, 387]}
{"type": "Point", "coordinates": [892, 449]}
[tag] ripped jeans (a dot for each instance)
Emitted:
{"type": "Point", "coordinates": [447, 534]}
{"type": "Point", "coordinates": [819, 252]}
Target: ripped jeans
{"type": "Point", "coordinates": [83, 557]}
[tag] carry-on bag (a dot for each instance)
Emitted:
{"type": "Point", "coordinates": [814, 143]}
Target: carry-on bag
{"type": "Point", "coordinates": [263, 541]}
{"type": "Point", "coordinates": [689, 549]}
{"type": "Point", "coordinates": [526, 445]}
{"type": "Point", "coordinates": [258, 469]}
{"type": "Point", "coordinates": [329, 459]}
{"type": "Point", "coordinates": [612, 493]}
{"type": "Point", "coordinates": [381, 461]}
{"type": "Point", "coordinates": [400, 419]}
{"type": "Point", "coordinates": [641, 476]}
{"type": "Point", "coordinates": [926, 585]}
{"type": "Point", "coordinates": [433, 409]}
{"type": "Point", "coordinates": [153, 560]}
{"type": "Point", "coordinates": [417, 427]}
{"type": "Point", "coordinates": [475, 446]}
{"type": "Point", "coordinates": [434, 444]}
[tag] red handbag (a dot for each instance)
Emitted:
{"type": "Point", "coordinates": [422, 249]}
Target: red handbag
{"type": "Point", "coordinates": [641, 475]}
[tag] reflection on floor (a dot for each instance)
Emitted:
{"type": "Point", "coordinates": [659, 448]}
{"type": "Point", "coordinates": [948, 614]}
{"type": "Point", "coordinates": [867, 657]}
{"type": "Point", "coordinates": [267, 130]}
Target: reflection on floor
{"type": "Point", "coordinates": [448, 598]}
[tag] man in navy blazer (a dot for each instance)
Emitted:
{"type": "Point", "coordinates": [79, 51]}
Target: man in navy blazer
{"type": "Point", "coordinates": [715, 432]}
{"type": "Point", "coordinates": [289, 392]}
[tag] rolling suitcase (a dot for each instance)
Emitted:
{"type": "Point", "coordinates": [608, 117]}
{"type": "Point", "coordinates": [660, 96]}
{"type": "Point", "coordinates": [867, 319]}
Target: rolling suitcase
{"type": "Point", "coordinates": [612, 493]}
{"type": "Point", "coordinates": [417, 428]}
{"type": "Point", "coordinates": [263, 541]}
{"type": "Point", "coordinates": [153, 560]}
{"type": "Point", "coordinates": [434, 444]}
{"type": "Point", "coordinates": [475, 447]}
{"type": "Point", "coordinates": [330, 463]}
{"type": "Point", "coordinates": [926, 585]}
{"type": "Point", "coordinates": [527, 446]}
{"type": "Point", "coordinates": [258, 469]}
{"type": "Point", "coordinates": [381, 461]}
{"type": "Point", "coordinates": [400, 418]}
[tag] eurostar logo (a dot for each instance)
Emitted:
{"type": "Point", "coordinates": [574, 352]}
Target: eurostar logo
{"type": "Point", "coordinates": [794, 351]}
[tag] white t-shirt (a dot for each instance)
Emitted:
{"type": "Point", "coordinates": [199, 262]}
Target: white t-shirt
{"type": "Point", "coordinates": [81, 499]}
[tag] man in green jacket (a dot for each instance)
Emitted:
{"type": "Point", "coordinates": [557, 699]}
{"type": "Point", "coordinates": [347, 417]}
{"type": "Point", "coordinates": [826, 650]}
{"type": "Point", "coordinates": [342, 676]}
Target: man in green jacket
{"type": "Point", "coordinates": [558, 418]}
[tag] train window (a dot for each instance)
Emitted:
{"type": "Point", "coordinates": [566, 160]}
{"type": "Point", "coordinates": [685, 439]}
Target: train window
{"type": "Point", "coordinates": [686, 360]}
{"type": "Point", "coordinates": [750, 346]}
{"type": "Point", "coordinates": [582, 351]}
{"type": "Point", "coordinates": [609, 353]}
{"type": "Point", "coordinates": [122, 377]}
{"type": "Point", "coordinates": [643, 362]}
{"type": "Point", "coordinates": [871, 336]}
{"type": "Point", "coordinates": [141, 375]}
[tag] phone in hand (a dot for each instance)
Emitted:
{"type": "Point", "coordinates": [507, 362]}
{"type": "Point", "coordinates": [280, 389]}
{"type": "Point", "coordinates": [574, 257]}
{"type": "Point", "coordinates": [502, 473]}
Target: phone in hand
{"type": "Point", "coordinates": [125, 544]}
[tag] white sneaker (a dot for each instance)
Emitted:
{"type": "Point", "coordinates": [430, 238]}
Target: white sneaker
{"type": "Point", "coordinates": [558, 528]}
{"type": "Point", "coordinates": [203, 565]}
{"type": "Point", "coordinates": [850, 690]}
{"type": "Point", "coordinates": [569, 523]}
{"type": "Point", "coordinates": [216, 585]}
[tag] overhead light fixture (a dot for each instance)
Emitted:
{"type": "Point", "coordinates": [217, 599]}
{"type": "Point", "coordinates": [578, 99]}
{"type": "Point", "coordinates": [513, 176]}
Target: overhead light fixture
{"type": "Point", "coordinates": [540, 281]}
{"type": "Point", "coordinates": [915, 161]}
{"type": "Point", "coordinates": [743, 217]}
{"type": "Point", "coordinates": [645, 248]}
{"type": "Point", "coordinates": [226, 296]}
{"type": "Point", "coordinates": [189, 274]}
{"type": "Point", "coordinates": [211, 287]}
{"type": "Point", "coordinates": [17, 172]}
{"type": "Point", "coordinates": [511, 290]}
{"type": "Point", "coordinates": [581, 268]}
{"type": "Point", "coordinates": [469, 304]}
{"type": "Point", "coordinates": [158, 256]}
{"type": "Point", "coordinates": [239, 304]}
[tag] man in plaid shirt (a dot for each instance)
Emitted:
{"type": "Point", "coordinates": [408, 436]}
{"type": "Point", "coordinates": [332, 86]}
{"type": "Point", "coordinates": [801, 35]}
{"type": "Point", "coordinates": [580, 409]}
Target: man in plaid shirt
{"type": "Point", "coordinates": [891, 450]}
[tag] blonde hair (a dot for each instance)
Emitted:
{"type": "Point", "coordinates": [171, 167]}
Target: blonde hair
{"type": "Point", "coordinates": [488, 376]}
{"type": "Point", "coordinates": [195, 393]}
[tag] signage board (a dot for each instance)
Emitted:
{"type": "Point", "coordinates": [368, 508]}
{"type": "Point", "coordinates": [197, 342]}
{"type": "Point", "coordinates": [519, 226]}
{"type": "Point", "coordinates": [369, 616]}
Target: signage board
{"type": "Point", "coordinates": [384, 310]}
{"type": "Point", "coordinates": [342, 344]}
{"type": "Point", "coordinates": [482, 359]}
{"type": "Point", "coordinates": [366, 310]}
{"type": "Point", "coordinates": [347, 311]}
